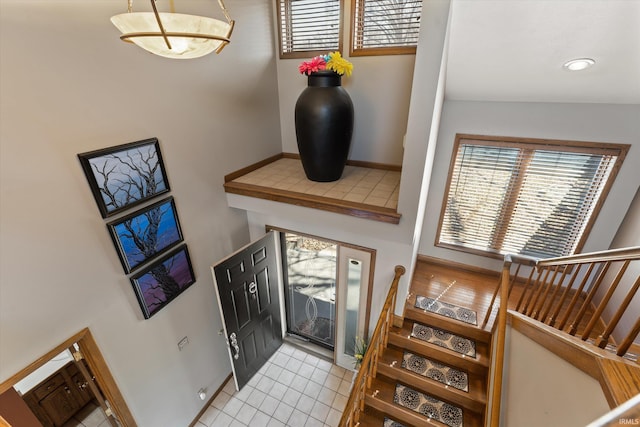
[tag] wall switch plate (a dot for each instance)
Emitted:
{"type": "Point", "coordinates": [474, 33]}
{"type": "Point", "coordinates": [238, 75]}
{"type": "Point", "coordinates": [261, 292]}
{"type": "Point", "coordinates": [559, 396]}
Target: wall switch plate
{"type": "Point", "coordinates": [182, 343]}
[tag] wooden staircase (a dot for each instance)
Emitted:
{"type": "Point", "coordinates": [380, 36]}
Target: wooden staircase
{"type": "Point", "coordinates": [380, 402]}
{"type": "Point", "coordinates": [396, 387]}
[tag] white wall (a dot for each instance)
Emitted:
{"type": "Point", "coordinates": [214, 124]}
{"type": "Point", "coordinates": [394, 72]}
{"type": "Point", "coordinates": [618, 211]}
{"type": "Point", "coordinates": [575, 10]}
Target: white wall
{"type": "Point", "coordinates": [542, 389]}
{"type": "Point", "coordinates": [69, 85]}
{"type": "Point", "coordinates": [583, 122]}
{"type": "Point", "coordinates": [395, 244]}
{"type": "Point", "coordinates": [379, 87]}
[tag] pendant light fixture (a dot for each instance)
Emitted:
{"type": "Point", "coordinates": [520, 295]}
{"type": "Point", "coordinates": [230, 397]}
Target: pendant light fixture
{"type": "Point", "coordinates": [174, 35]}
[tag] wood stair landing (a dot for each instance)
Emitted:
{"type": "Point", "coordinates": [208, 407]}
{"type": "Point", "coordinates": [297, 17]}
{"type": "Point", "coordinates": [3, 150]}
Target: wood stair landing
{"type": "Point", "coordinates": [381, 400]}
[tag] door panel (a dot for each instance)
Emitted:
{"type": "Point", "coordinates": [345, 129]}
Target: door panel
{"type": "Point", "coordinates": [247, 287]}
{"type": "Point", "coordinates": [309, 269]}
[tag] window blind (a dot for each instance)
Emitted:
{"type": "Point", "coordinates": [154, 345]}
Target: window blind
{"type": "Point", "coordinates": [386, 24]}
{"type": "Point", "coordinates": [309, 25]}
{"type": "Point", "coordinates": [523, 198]}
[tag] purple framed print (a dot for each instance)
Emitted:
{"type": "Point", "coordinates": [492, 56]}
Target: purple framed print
{"type": "Point", "coordinates": [162, 281]}
{"type": "Point", "coordinates": [126, 175]}
{"type": "Point", "coordinates": [148, 232]}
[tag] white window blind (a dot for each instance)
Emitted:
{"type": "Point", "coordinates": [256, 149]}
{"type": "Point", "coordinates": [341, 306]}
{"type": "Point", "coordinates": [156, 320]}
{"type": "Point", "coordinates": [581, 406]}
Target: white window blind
{"type": "Point", "coordinates": [385, 25]}
{"type": "Point", "coordinates": [309, 26]}
{"type": "Point", "coordinates": [529, 198]}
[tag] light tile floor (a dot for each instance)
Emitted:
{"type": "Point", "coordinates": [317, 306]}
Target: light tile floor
{"type": "Point", "coordinates": [294, 388]}
{"type": "Point", "coordinates": [89, 416]}
{"type": "Point", "coordinates": [375, 187]}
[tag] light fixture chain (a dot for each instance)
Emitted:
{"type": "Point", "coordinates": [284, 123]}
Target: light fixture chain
{"type": "Point", "coordinates": [224, 10]}
{"type": "Point", "coordinates": [164, 33]}
{"type": "Point", "coordinates": [130, 6]}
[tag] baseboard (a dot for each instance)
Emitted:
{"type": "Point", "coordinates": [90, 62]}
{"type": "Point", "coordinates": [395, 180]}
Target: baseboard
{"type": "Point", "coordinates": [210, 401]}
{"type": "Point", "coordinates": [457, 265]}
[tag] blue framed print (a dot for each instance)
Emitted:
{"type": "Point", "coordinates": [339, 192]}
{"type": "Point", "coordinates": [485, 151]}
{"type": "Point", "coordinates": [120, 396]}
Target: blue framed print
{"type": "Point", "coordinates": [162, 281]}
{"type": "Point", "coordinates": [146, 233]}
{"type": "Point", "coordinates": [126, 175]}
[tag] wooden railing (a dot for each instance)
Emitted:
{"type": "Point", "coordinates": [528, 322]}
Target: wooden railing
{"type": "Point", "coordinates": [500, 333]}
{"type": "Point", "coordinates": [572, 293]}
{"type": "Point", "coordinates": [368, 366]}
{"type": "Point", "coordinates": [562, 293]}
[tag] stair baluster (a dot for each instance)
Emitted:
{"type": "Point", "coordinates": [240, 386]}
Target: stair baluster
{"type": "Point", "coordinates": [378, 341]}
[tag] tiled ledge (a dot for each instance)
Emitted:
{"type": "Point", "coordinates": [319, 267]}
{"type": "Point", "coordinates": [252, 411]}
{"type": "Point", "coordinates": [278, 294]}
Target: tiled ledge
{"type": "Point", "coordinates": [365, 190]}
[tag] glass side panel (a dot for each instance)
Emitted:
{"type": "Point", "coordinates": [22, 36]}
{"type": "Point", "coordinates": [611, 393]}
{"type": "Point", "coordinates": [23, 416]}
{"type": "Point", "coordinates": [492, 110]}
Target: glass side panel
{"type": "Point", "coordinates": [354, 277]}
{"type": "Point", "coordinates": [311, 288]}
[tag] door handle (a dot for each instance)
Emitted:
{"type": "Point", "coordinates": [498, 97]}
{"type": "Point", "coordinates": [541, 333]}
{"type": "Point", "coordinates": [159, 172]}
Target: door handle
{"type": "Point", "coordinates": [233, 342]}
{"type": "Point", "coordinates": [253, 288]}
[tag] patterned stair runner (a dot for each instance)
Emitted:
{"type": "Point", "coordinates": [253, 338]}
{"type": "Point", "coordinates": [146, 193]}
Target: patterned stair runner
{"type": "Point", "coordinates": [436, 371]}
{"type": "Point", "coordinates": [444, 339]}
{"type": "Point", "coordinates": [428, 406]}
{"type": "Point", "coordinates": [445, 309]}
{"type": "Point", "coordinates": [388, 422]}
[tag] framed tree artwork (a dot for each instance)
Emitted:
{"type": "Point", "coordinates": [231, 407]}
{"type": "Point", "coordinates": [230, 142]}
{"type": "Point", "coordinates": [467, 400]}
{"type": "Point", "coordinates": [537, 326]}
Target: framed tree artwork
{"type": "Point", "coordinates": [126, 175]}
{"type": "Point", "coordinates": [161, 282]}
{"type": "Point", "coordinates": [146, 233]}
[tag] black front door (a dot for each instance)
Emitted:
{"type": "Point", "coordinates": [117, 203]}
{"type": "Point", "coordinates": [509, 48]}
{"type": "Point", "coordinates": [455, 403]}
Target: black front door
{"type": "Point", "coordinates": [247, 286]}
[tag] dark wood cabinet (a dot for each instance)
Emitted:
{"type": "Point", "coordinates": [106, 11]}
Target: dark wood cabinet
{"type": "Point", "coordinates": [59, 397]}
{"type": "Point", "coordinates": [60, 405]}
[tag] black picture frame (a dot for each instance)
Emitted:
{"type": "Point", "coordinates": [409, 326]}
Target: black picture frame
{"type": "Point", "coordinates": [126, 175]}
{"type": "Point", "coordinates": [159, 283]}
{"type": "Point", "coordinates": [146, 233]}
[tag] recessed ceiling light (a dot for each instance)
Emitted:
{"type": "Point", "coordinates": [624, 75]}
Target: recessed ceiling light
{"type": "Point", "coordinates": [579, 64]}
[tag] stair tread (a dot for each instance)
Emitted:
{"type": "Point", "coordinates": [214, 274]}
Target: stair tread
{"type": "Point", "coordinates": [439, 321]}
{"type": "Point", "coordinates": [383, 401]}
{"type": "Point", "coordinates": [371, 418]}
{"type": "Point", "coordinates": [401, 337]}
{"type": "Point", "coordinates": [474, 399]}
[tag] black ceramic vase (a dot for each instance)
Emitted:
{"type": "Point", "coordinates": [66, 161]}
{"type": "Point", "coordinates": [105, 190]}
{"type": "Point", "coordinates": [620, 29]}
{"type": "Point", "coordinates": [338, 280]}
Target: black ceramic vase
{"type": "Point", "coordinates": [324, 125]}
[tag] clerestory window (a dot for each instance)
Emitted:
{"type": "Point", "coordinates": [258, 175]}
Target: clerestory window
{"type": "Point", "coordinates": [385, 27]}
{"type": "Point", "coordinates": [309, 27]}
{"type": "Point", "coordinates": [525, 196]}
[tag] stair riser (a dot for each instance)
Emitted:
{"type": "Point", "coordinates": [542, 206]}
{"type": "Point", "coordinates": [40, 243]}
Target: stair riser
{"type": "Point", "coordinates": [442, 322]}
{"type": "Point", "coordinates": [439, 354]}
{"type": "Point", "coordinates": [404, 416]}
{"type": "Point", "coordinates": [434, 388]}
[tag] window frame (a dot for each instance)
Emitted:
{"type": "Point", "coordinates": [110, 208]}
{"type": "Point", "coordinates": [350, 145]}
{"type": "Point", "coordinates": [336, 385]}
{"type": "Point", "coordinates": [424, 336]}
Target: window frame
{"type": "Point", "coordinates": [307, 53]}
{"type": "Point", "coordinates": [619, 150]}
{"type": "Point", "coordinates": [372, 51]}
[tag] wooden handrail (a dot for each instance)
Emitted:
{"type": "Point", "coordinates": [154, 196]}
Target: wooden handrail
{"type": "Point", "coordinates": [621, 254]}
{"type": "Point", "coordinates": [597, 276]}
{"type": "Point", "coordinates": [500, 334]}
{"type": "Point", "coordinates": [368, 366]}
{"type": "Point", "coordinates": [592, 298]}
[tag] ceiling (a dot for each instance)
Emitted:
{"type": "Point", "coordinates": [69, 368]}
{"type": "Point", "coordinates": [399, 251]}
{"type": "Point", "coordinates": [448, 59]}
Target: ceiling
{"type": "Point", "coordinates": [513, 50]}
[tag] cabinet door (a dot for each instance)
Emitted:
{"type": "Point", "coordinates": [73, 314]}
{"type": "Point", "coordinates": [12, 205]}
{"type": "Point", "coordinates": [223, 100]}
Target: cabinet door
{"type": "Point", "coordinates": [83, 392]}
{"type": "Point", "coordinates": [60, 405]}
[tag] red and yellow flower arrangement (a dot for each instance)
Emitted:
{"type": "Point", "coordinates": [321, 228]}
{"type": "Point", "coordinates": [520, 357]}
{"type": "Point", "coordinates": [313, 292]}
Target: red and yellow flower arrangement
{"type": "Point", "coordinates": [332, 61]}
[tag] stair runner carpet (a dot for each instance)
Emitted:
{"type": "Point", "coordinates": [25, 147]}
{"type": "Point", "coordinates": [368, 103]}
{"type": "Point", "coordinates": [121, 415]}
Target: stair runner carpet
{"type": "Point", "coordinates": [446, 309]}
{"type": "Point", "coordinates": [444, 339]}
{"type": "Point", "coordinates": [436, 371]}
{"type": "Point", "coordinates": [428, 406]}
{"type": "Point", "coordinates": [388, 422]}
